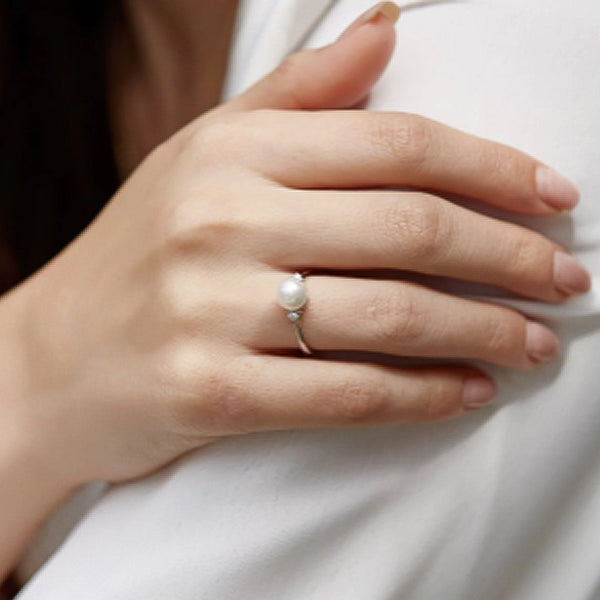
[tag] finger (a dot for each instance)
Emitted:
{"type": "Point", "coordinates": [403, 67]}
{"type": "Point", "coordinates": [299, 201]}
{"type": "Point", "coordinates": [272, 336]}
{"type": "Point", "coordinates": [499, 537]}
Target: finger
{"type": "Point", "coordinates": [336, 76]}
{"type": "Point", "coordinates": [417, 232]}
{"type": "Point", "coordinates": [402, 319]}
{"type": "Point", "coordinates": [353, 149]}
{"type": "Point", "coordinates": [273, 392]}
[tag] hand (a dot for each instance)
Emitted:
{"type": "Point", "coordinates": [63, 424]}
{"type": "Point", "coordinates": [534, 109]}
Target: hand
{"type": "Point", "coordinates": [157, 331]}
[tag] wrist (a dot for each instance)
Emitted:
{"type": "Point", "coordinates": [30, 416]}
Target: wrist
{"type": "Point", "coordinates": [32, 484]}
{"type": "Point", "coordinates": [32, 488]}
{"type": "Point", "coordinates": [33, 479]}
{"type": "Point", "coordinates": [28, 437]}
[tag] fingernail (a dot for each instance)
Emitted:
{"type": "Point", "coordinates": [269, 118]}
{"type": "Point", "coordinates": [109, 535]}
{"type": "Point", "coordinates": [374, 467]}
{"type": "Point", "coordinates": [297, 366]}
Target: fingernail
{"type": "Point", "coordinates": [570, 277]}
{"type": "Point", "coordinates": [541, 344]}
{"type": "Point", "coordinates": [555, 190]}
{"type": "Point", "coordinates": [477, 392]}
{"type": "Point", "coordinates": [389, 10]}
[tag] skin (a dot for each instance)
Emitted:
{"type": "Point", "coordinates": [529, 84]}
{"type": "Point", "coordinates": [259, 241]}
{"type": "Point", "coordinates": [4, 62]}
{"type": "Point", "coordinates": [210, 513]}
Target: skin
{"type": "Point", "coordinates": [156, 331]}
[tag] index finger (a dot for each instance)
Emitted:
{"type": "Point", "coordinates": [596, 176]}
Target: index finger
{"type": "Point", "coordinates": [365, 149]}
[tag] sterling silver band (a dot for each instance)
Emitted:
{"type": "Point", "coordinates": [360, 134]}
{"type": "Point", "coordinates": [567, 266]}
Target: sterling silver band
{"type": "Point", "coordinates": [293, 297]}
{"type": "Point", "coordinates": [300, 338]}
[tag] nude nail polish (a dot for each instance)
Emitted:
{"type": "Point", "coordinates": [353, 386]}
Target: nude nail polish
{"type": "Point", "coordinates": [555, 190]}
{"type": "Point", "coordinates": [388, 10]}
{"type": "Point", "coordinates": [478, 392]}
{"type": "Point", "coordinates": [541, 344]}
{"type": "Point", "coordinates": [570, 277]}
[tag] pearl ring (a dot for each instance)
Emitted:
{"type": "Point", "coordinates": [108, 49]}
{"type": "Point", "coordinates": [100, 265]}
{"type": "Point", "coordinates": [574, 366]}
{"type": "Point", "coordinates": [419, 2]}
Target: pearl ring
{"type": "Point", "coordinates": [292, 296]}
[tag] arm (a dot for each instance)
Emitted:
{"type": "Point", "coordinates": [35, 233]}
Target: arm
{"type": "Point", "coordinates": [32, 486]}
{"type": "Point", "coordinates": [30, 493]}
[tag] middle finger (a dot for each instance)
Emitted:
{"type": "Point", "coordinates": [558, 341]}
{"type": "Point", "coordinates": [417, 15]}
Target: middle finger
{"type": "Point", "coordinates": [417, 232]}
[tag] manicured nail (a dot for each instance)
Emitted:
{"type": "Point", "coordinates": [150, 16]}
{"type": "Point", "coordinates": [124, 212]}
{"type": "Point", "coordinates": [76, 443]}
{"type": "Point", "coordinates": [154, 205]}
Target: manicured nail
{"type": "Point", "coordinates": [389, 10]}
{"type": "Point", "coordinates": [541, 344]}
{"type": "Point", "coordinates": [555, 190]}
{"type": "Point", "coordinates": [570, 277]}
{"type": "Point", "coordinates": [477, 392]}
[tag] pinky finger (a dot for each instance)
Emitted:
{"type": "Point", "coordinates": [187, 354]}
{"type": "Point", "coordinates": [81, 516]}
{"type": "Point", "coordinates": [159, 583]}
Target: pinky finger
{"type": "Point", "coordinates": [276, 392]}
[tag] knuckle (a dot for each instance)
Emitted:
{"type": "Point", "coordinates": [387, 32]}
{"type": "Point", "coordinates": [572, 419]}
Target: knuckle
{"type": "Point", "coordinates": [406, 138]}
{"type": "Point", "coordinates": [364, 401]}
{"type": "Point", "coordinates": [185, 306]}
{"type": "Point", "coordinates": [431, 394]}
{"type": "Point", "coordinates": [212, 399]}
{"type": "Point", "coordinates": [233, 408]}
{"type": "Point", "coordinates": [527, 255]}
{"type": "Point", "coordinates": [215, 140]}
{"type": "Point", "coordinates": [291, 65]}
{"type": "Point", "coordinates": [236, 404]}
{"type": "Point", "coordinates": [504, 337]}
{"type": "Point", "coordinates": [427, 229]}
{"type": "Point", "coordinates": [179, 217]}
{"type": "Point", "coordinates": [502, 164]}
{"type": "Point", "coordinates": [186, 376]}
{"type": "Point", "coordinates": [441, 400]}
{"type": "Point", "coordinates": [395, 317]}
{"type": "Point", "coordinates": [181, 304]}
{"type": "Point", "coordinates": [497, 337]}
{"type": "Point", "coordinates": [176, 300]}
{"type": "Point", "coordinates": [206, 135]}
{"type": "Point", "coordinates": [192, 227]}
{"type": "Point", "coordinates": [416, 226]}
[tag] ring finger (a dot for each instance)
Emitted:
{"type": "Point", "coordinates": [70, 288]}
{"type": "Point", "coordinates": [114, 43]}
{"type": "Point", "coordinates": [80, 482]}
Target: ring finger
{"type": "Point", "coordinates": [403, 319]}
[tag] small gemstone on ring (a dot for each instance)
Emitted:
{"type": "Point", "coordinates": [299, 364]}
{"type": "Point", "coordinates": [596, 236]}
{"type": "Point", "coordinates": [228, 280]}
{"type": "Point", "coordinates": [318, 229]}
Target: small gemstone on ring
{"type": "Point", "coordinates": [293, 297]}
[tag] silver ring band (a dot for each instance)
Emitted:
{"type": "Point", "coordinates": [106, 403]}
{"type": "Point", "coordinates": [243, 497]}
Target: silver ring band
{"type": "Point", "coordinates": [293, 297]}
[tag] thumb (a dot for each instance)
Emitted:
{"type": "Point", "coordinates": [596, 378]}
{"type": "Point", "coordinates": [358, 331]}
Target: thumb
{"type": "Point", "coordinates": [335, 76]}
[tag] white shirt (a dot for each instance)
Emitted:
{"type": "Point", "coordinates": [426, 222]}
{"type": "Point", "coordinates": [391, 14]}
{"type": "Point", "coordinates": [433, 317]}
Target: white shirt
{"type": "Point", "coordinates": [501, 504]}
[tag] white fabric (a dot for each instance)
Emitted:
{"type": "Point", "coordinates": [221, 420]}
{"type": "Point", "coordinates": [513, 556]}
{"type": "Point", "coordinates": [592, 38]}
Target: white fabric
{"type": "Point", "coordinates": [502, 504]}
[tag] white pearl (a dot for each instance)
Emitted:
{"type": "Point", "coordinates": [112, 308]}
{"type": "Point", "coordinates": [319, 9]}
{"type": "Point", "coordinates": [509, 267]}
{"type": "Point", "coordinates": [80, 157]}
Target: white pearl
{"type": "Point", "coordinates": [291, 294]}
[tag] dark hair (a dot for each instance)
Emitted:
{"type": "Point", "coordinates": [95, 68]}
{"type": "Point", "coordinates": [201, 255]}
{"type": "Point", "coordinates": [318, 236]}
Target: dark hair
{"type": "Point", "coordinates": [57, 167]}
